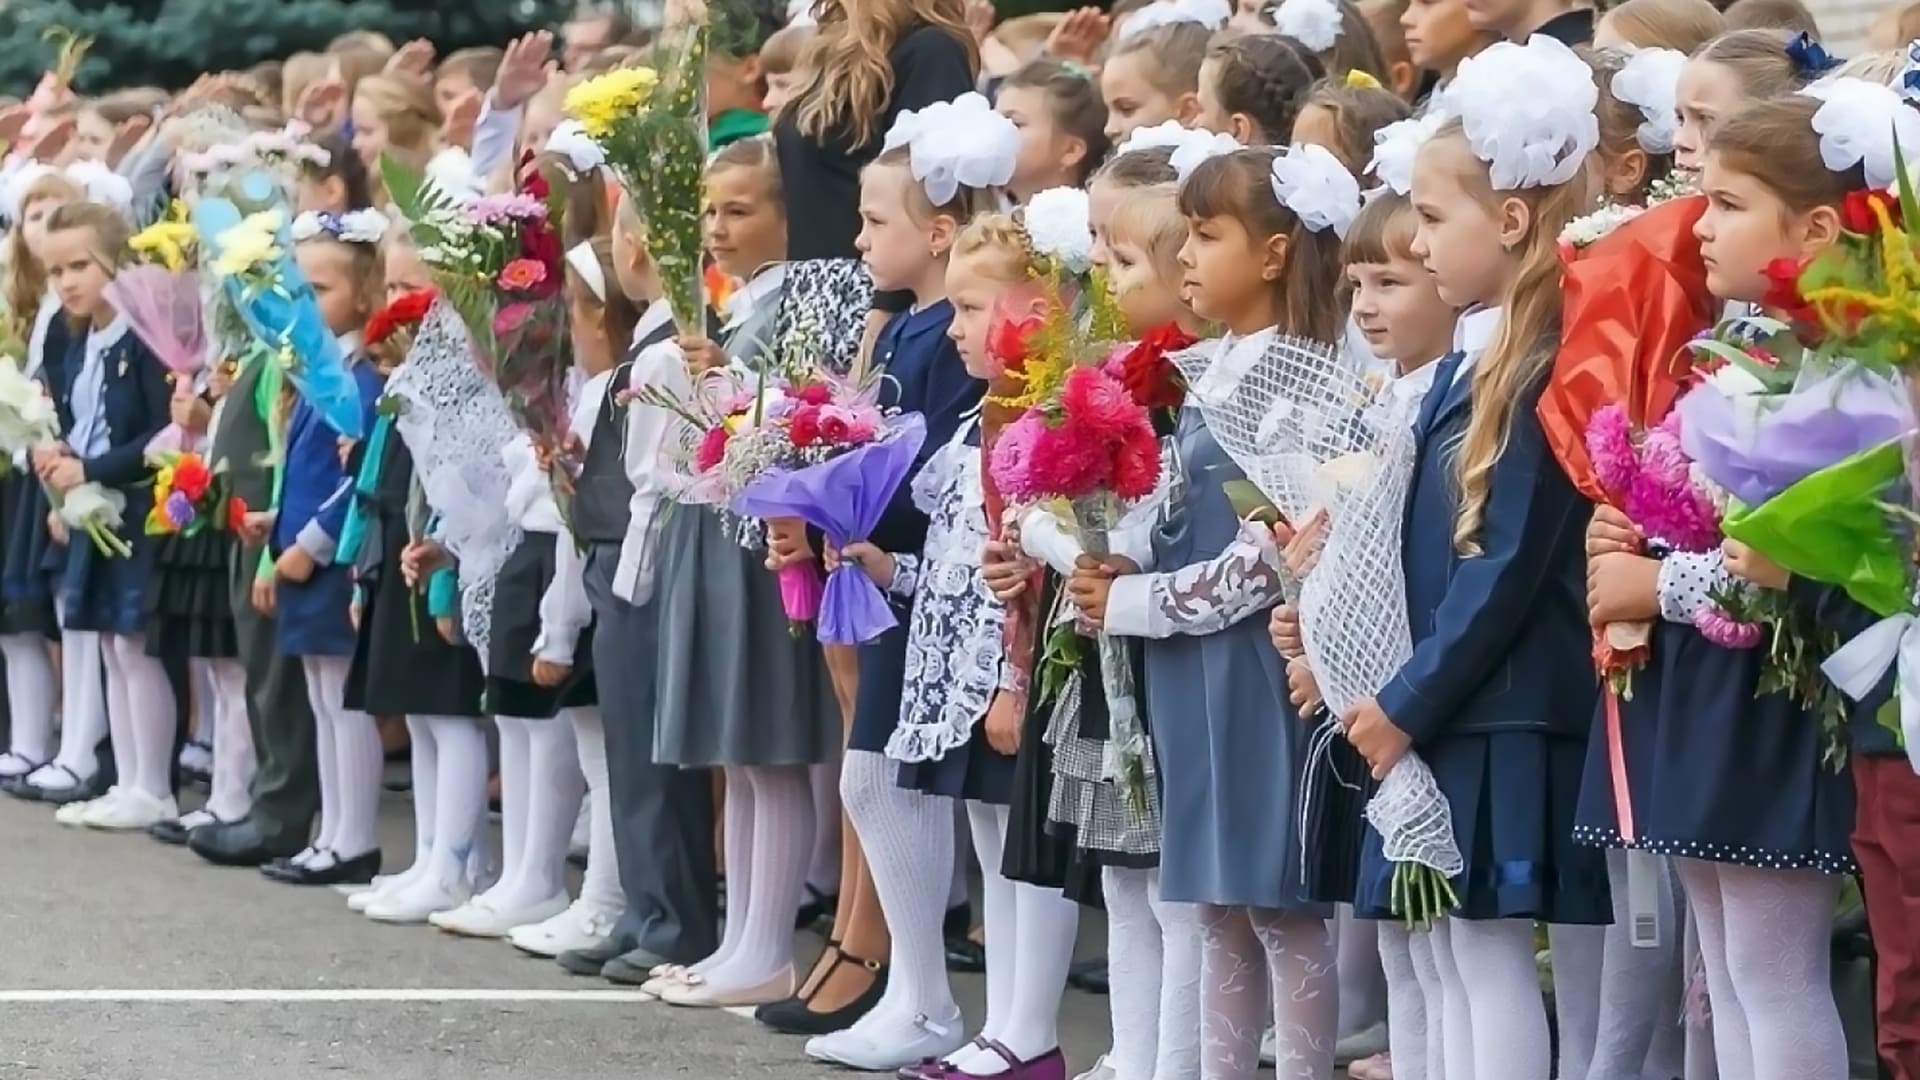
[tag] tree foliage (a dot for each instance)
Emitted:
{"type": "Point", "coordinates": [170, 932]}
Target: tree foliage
{"type": "Point", "coordinates": [168, 43]}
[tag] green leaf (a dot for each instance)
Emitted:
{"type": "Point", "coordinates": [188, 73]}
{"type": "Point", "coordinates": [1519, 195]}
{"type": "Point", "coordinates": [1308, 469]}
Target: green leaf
{"type": "Point", "coordinates": [1250, 503]}
{"type": "Point", "coordinates": [404, 186]}
{"type": "Point", "coordinates": [1909, 206]}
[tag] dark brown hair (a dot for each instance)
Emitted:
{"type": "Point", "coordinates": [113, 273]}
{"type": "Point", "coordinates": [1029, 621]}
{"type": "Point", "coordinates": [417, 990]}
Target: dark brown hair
{"type": "Point", "coordinates": [1173, 54]}
{"type": "Point", "coordinates": [1773, 141]}
{"type": "Point", "coordinates": [1384, 230]}
{"type": "Point", "coordinates": [1758, 58]}
{"type": "Point", "coordinates": [1075, 104]}
{"type": "Point", "coordinates": [1791, 16]}
{"type": "Point", "coordinates": [1262, 76]}
{"type": "Point", "coordinates": [1358, 112]}
{"type": "Point", "coordinates": [1240, 186]}
{"type": "Point", "coordinates": [342, 162]}
{"type": "Point", "coordinates": [1355, 49]}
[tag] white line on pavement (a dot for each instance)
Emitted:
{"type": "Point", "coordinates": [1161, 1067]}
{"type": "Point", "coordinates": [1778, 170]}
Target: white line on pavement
{"type": "Point", "coordinates": [315, 997]}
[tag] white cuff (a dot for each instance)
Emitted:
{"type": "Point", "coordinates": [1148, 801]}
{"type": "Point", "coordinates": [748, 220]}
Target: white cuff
{"type": "Point", "coordinates": [1130, 609]}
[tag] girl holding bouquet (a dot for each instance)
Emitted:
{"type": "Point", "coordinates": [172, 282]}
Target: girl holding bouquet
{"type": "Point", "coordinates": [28, 625]}
{"type": "Point", "coordinates": [1761, 881]}
{"type": "Point", "coordinates": [906, 240]}
{"type": "Point", "coordinates": [737, 690]}
{"type": "Point", "coordinates": [311, 592]}
{"type": "Point", "coordinates": [1497, 695]}
{"type": "Point", "coordinates": [116, 391]}
{"type": "Point", "coordinates": [1254, 264]}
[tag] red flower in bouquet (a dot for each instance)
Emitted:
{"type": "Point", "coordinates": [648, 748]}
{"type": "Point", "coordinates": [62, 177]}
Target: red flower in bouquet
{"type": "Point", "coordinates": [803, 427]}
{"type": "Point", "coordinates": [1136, 466]}
{"type": "Point", "coordinates": [510, 319]}
{"type": "Point", "coordinates": [522, 275]}
{"type": "Point", "coordinates": [1098, 402]}
{"type": "Point", "coordinates": [1010, 341]}
{"type": "Point", "coordinates": [236, 513]}
{"type": "Point", "coordinates": [1857, 212]}
{"type": "Point", "coordinates": [404, 312]}
{"type": "Point", "coordinates": [191, 477]}
{"type": "Point", "coordinates": [813, 394]}
{"type": "Point", "coordinates": [1070, 460]}
{"type": "Point", "coordinates": [541, 245]}
{"type": "Point", "coordinates": [834, 426]}
{"type": "Point", "coordinates": [1149, 376]}
{"type": "Point", "coordinates": [713, 447]}
{"type": "Point", "coordinates": [1783, 291]}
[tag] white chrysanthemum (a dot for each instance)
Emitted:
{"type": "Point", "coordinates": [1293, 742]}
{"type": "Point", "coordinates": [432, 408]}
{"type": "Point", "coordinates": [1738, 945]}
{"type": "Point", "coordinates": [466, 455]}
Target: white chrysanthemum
{"type": "Point", "coordinates": [1650, 81]}
{"type": "Point", "coordinates": [1313, 23]}
{"type": "Point", "coordinates": [1528, 112]}
{"type": "Point", "coordinates": [1312, 183]}
{"type": "Point", "coordinates": [955, 144]}
{"type": "Point", "coordinates": [1584, 230]}
{"type": "Point", "coordinates": [1060, 227]}
{"type": "Point", "coordinates": [1397, 145]}
{"type": "Point", "coordinates": [1212, 14]}
{"type": "Point", "coordinates": [1859, 122]}
{"type": "Point", "coordinates": [571, 141]}
{"type": "Point", "coordinates": [363, 226]}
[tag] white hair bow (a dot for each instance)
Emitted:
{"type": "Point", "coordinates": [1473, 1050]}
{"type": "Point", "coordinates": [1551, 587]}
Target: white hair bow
{"type": "Point", "coordinates": [571, 141]}
{"type": "Point", "coordinates": [1650, 81]}
{"type": "Point", "coordinates": [1312, 183]}
{"type": "Point", "coordinates": [1396, 146]}
{"type": "Point", "coordinates": [1528, 112]}
{"type": "Point", "coordinates": [1212, 14]}
{"type": "Point", "coordinates": [1313, 23]}
{"type": "Point", "coordinates": [955, 144]}
{"type": "Point", "coordinates": [1190, 146]}
{"type": "Point", "coordinates": [1859, 123]}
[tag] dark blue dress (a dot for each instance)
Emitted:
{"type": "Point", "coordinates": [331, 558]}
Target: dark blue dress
{"type": "Point", "coordinates": [925, 375]}
{"type": "Point", "coordinates": [107, 593]}
{"type": "Point", "coordinates": [312, 616]}
{"type": "Point", "coordinates": [1714, 771]}
{"type": "Point", "coordinates": [30, 564]}
{"type": "Point", "coordinates": [1499, 693]}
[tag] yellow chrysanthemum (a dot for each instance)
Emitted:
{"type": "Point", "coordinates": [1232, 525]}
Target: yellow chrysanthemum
{"type": "Point", "coordinates": [169, 243]}
{"type": "Point", "coordinates": [252, 242]}
{"type": "Point", "coordinates": [602, 101]}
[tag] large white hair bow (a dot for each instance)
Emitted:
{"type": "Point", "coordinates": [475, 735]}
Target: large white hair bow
{"type": "Point", "coordinates": [1312, 183]}
{"type": "Point", "coordinates": [1212, 14]}
{"type": "Point", "coordinates": [1650, 81]}
{"type": "Point", "coordinates": [1528, 111]}
{"type": "Point", "coordinates": [955, 144]}
{"type": "Point", "coordinates": [97, 183]}
{"type": "Point", "coordinates": [1859, 123]}
{"type": "Point", "coordinates": [1313, 23]}
{"type": "Point", "coordinates": [571, 141]}
{"type": "Point", "coordinates": [1190, 146]}
{"type": "Point", "coordinates": [1396, 146]}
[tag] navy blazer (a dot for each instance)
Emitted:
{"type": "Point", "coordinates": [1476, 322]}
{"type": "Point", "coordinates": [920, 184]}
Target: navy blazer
{"type": "Point", "coordinates": [925, 375]}
{"type": "Point", "coordinates": [1500, 640]}
{"type": "Point", "coordinates": [317, 490]}
{"type": "Point", "coordinates": [136, 403]}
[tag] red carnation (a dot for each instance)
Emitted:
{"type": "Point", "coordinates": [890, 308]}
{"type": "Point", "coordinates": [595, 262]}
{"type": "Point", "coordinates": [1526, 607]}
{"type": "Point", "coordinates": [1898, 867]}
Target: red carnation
{"type": "Point", "coordinates": [1149, 376]}
{"type": "Point", "coordinates": [1010, 341]}
{"type": "Point", "coordinates": [191, 478]}
{"type": "Point", "coordinates": [814, 394]}
{"type": "Point", "coordinates": [834, 428]}
{"type": "Point", "coordinates": [803, 428]}
{"type": "Point", "coordinates": [1136, 466]}
{"type": "Point", "coordinates": [1857, 213]}
{"type": "Point", "coordinates": [540, 243]}
{"type": "Point", "coordinates": [236, 513]}
{"type": "Point", "coordinates": [405, 312]}
{"type": "Point", "coordinates": [713, 447]}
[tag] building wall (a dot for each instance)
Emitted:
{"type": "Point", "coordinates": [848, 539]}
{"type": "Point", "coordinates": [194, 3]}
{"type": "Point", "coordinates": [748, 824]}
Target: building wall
{"type": "Point", "coordinates": [1844, 22]}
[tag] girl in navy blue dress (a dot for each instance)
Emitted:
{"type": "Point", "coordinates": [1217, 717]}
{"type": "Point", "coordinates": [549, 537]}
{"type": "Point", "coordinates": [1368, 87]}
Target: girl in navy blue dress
{"type": "Point", "coordinates": [1499, 694]}
{"type": "Point", "coordinates": [1762, 875]}
{"type": "Point", "coordinates": [117, 392]}
{"type": "Point", "coordinates": [312, 593]}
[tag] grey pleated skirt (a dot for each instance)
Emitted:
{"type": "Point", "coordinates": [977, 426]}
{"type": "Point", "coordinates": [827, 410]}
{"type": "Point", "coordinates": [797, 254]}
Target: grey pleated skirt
{"type": "Point", "coordinates": [736, 687]}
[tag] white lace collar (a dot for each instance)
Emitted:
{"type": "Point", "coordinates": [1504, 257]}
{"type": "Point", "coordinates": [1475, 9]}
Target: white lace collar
{"type": "Point", "coordinates": [1233, 358]}
{"type": "Point", "coordinates": [349, 344]}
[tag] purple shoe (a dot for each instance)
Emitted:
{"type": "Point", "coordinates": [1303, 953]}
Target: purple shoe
{"type": "Point", "coordinates": [1051, 1065]}
{"type": "Point", "coordinates": [935, 1068]}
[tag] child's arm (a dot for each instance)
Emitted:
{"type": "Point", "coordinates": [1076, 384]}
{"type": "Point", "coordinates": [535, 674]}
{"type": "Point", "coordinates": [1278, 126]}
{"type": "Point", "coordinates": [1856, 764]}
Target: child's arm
{"type": "Point", "coordinates": [644, 457]}
{"type": "Point", "coordinates": [1204, 598]}
{"type": "Point", "coordinates": [1531, 507]}
{"type": "Point", "coordinates": [564, 610]}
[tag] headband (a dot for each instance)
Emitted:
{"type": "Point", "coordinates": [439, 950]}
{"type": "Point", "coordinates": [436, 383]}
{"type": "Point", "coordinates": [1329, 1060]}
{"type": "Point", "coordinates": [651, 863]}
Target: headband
{"type": "Point", "coordinates": [582, 261]}
{"type": "Point", "coordinates": [352, 227]}
{"type": "Point", "coordinates": [1311, 182]}
{"type": "Point", "coordinates": [956, 144]}
{"type": "Point", "coordinates": [1650, 80]}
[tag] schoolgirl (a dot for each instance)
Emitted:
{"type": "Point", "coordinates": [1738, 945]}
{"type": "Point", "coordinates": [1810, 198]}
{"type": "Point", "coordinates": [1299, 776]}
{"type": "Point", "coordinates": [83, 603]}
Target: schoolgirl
{"type": "Point", "coordinates": [1250, 87]}
{"type": "Point", "coordinates": [116, 390]}
{"type": "Point", "coordinates": [726, 654]}
{"type": "Point", "coordinates": [907, 240]}
{"type": "Point", "coordinates": [1761, 882]}
{"type": "Point", "coordinates": [1681, 25]}
{"type": "Point", "coordinates": [1496, 696]}
{"type": "Point", "coordinates": [1153, 74]}
{"type": "Point", "coordinates": [1729, 72]}
{"type": "Point", "coordinates": [28, 625]}
{"type": "Point", "coordinates": [310, 592]}
{"type": "Point", "coordinates": [1440, 34]}
{"type": "Point", "coordinates": [1335, 31]}
{"type": "Point", "coordinates": [1344, 116]}
{"type": "Point", "coordinates": [1062, 124]}
{"type": "Point", "coordinates": [1639, 117]}
{"type": "Point", "coordinates": [397, 117]}
{"type": "Point", "coordinates": [341, 185]}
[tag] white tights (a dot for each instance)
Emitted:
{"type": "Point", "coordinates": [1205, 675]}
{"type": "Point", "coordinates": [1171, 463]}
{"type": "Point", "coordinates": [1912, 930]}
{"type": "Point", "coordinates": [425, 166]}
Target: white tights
{"type": "Point", "coordinates": [1153, 951]}
{"type": "Point", "coordinates": [600, 886]}
{"type": "Point", "coordinates": [1765, 937]}
{"type": "Point", "coordinates": [140, 715]}
{"type": "Point", "coordinates": [350, 762]}
{"type": "Point", "coordinates": [1638, 991]}
{"type": "Point", "coordinates": [83, 705]}
{"type": "Point", "coordinates": [1500, 1028]}
{"type": "Point", "coordinates": [1402, 954]}
{"type": "Point", "coordinates": [769, 830]}
{"type": "Point", "coordinates": [1248, 958]}
{"type": "Point", "coordinates": [230, 797]}
{"type": "Point", "coordinates": [540, 790]}
{"type": "Point", "coordinates": [30, 692]}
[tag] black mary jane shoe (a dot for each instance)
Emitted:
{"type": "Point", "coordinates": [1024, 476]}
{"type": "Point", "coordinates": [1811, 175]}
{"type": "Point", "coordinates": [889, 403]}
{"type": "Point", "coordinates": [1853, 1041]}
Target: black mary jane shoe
{"type": "Point", "coordinates": [819, 906]}
{"type": "Point", "coordinates": [963, 953]}
{"type": "Point", "coordinates": [326, 869]}
{"type": "Point", "coordinates": [1089, 975]}
{"type": "Point", "coordinates": [794, 1016]}
{"type": "Point", "coordinates": [76, 790]}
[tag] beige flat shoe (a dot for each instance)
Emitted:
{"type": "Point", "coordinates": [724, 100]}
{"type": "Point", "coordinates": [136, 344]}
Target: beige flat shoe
{"type": "Point", "coordinates": [694, 993]}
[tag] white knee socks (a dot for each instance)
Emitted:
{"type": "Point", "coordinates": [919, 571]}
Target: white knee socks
{"type": "Point", "coordinates": [600, 887]}
{"type": "Point", "coordinates": [29, 701]}
{"type": "Point", "coordinates": [140, 714]}
{"type": "Point", "coordinates": [1636, 982]}
{"type": "Point", "coordinates": [83, 704]}
{"type": "Point", "coordinates": [908, 840]}
{"type": "Point", "coordinates": [350, 762]}
{"type": "Point", "coordinates": [1496, 965]}
{"type": "Point", "coordinates": [1153, 950]}
{"type": "Point", "coordinates": [540, 789]}
{"type": "Point", "coordinates": [230, 797]}
{"type": "Point", "coordinates": [1406, 1003]}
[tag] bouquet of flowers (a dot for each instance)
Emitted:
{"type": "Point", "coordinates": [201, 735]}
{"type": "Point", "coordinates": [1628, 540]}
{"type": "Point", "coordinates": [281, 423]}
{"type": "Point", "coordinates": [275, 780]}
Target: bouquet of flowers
{"type": "Point", "coordinates": [390, 332]}
{"type": "Point", "coordinates": [252, 261]}
{"type": "Point", "coordinates": [650, 122]}
{"type": "Point", "coordinates": [161, 301]}
{"type": "Point", "coordinates": [188, 496]}
{"type": "Point", "coordinates": [222, 162]}
{"type": "Point", "coordinates": [28, 421]}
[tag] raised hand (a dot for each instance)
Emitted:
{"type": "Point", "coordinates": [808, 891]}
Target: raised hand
{"type": "Point", "coordinates": [524, 69]}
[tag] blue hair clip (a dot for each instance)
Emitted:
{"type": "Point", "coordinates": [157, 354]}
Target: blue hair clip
{"type": "Point", "coordinates": [1810, 57]}
{"type": "Point", "coordinates": [1909, 85]}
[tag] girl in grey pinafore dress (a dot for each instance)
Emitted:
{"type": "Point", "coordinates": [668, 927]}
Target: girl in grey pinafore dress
{"type": "Point", "coordinates": [1230, 751]}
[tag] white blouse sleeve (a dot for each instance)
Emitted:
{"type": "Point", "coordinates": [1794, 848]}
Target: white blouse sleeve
{"type": "Point", "coordinates": [1204, 598]}
{"type": "Point", "coordinates": [1687, 583]}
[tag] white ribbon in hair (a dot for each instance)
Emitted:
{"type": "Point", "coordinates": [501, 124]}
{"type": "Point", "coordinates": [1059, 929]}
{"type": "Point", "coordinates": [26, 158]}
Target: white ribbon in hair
{"type": "Point", "coordinates": [1650, 81]}
{"type": "Point", "coordinates": [1059, 225]}
{"type": "Point", "coordinates": [571, 141]}
{"type": "Point", "coordinates": [1212, 14]}
{"type": "Point", "coordinates": [1312, 183]}
{"type": "Point", "coordinates": [582, 260]}
{"type": "Point", "coordinates": [1859, 123]}
{"type": "Point", "coordinates": [1313, 23]}
{"type": "Point", "coordinates": [1528, 112]}
{"type": "Point", "coordinates": [1190, 146]}
{"type": "Point", "coordinates": [97, 183]}
{"type": "Point", "coordinates": [955, 144]}
{"type": "Point", "coordinates": [1396, 146]}
{"type": "Point", "coordinates": [1859, 665]}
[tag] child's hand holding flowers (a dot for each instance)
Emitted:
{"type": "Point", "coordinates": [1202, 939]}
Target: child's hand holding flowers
{"type": "Point", "coordinates": [876, 564]}
{"type": "Point", "coordinates": [1374, 735]}
{"type": "Point", "coordinates": [1744, 562]}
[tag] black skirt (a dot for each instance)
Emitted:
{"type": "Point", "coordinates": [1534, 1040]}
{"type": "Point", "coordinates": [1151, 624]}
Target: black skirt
{"type": "Point", "coordinates": [511, 690]}
{"type": "Point", "coordinates": [401, 664]}
{"type": "Point", "coordinates": [189, 602]}
{"type": "Point", "coordinates": [26, 590]}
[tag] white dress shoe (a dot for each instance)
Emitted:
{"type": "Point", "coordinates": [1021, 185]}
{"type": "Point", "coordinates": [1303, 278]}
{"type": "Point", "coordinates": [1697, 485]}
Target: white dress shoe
{"type": "Point", "coordinates": [928, 1038]}
{"type": "Point", "coordinates": [694, 992]}
{"type": "Point", "coordinates": [416, 903]}
{"type": "Point", "coordinates": [479, 918]}
{"type": "Point", "coordinates": [75, 813]}
{"type": "Point", "coordinates": [579, 927]}
{"type": "Point", "coordinates": [1100, 1071]}
{"type": "Point", "coordinates": [130, 809]}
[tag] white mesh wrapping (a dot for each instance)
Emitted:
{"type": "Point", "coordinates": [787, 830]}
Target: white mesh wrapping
{"type": "Point", "coordinates": [1312, 433]}
{"type": "Point", "coordinates": [455, 422]}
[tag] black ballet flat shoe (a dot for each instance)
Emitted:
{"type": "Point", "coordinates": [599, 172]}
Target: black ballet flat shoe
{"type": "Point", "coordinates": [795, 1016]}
{"type": "Point", "coordinates": [171, 833]}
{"type": "Point", "coordinates": [237, 843]}
{"type": "Point", "coordinates": [328, 869]}
{"type": "Point", "coordinates": [1089, 975]}
{"type": "Point", "coordinates": [819, 906]}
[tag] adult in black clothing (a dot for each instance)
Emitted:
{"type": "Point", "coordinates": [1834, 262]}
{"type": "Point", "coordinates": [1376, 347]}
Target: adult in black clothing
{"type": "Point", "coordinates": [1568, 21]}
{"type": "Point", "coordinates": [873, 60]}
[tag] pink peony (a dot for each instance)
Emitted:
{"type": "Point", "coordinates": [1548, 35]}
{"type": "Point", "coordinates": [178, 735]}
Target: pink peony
{"type": "Point", "coordinates": [1610, 446]}
{"type": "Point", "coordinates": [1662, 458]}
{"type": "Point", "coordinates": [713, 447]}
{"type": "Point", "coordinates": [1724, 630]}
{"type": "Point", "coordinates": [1011, 462]}
{"type": "Point", "coordinates": [1070, 460]}
{"type": "Point", "coordinates": [803, 428]}
{"type": "Point", "coordinates": [1136, 466]}
{"type": "Point", "coordinates": [1101, 404]}
{"type": "Point", "coordinates": [521, 275]}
